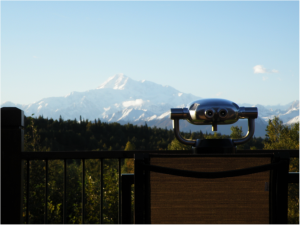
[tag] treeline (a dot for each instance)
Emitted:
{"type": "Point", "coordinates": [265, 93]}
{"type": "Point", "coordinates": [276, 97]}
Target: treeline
{"type": "Point", "coordinates": [73, 135]}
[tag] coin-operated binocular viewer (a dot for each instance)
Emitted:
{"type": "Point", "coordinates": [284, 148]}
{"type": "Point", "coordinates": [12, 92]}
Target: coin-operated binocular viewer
{"type": "Point", "coordinates": [214, 112]}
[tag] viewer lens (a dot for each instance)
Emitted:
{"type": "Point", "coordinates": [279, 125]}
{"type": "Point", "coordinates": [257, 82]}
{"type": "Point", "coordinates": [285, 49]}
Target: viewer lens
{"type": "Point", "coordinates": [209, 113]}
{"type": "Point", "coordinates": [223, 113]}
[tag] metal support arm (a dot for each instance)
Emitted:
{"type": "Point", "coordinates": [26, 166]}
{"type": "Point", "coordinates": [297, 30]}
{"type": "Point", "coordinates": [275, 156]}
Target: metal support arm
{"type": "Point", "coordinates": [251, 129]}
{"type": "Point", "coordinates": [178, 136]}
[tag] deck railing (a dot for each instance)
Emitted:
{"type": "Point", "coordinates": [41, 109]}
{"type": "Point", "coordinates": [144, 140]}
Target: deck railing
{"type": "Point", "coordinates": [13, 159]}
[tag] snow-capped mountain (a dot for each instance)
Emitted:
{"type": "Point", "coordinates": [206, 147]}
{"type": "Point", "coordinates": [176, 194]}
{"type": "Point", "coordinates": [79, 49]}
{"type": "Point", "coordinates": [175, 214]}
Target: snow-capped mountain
{"type": "Point", "coordinates": [121, 99]}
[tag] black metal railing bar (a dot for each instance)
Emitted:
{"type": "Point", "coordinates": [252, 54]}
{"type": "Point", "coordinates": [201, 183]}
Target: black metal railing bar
{"type": "Point", "coordinates": [83, 192]}
{"type": "Point", "coordinates": [65, 193]}
{"type": "Point", "coordinates": [101, 198]}
{"type": "Point", "coordinates": [126, 154]}
{"type": "Point", "coordinates": [46, 192]}
{"type": "Point", "coordinates": [27, 192]}
{"type": "Point", "coordinates": [120, 185]}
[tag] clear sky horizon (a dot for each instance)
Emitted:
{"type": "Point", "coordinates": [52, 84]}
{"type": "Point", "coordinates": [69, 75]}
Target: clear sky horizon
{"type": "Point", "coordinates": [247, 52]}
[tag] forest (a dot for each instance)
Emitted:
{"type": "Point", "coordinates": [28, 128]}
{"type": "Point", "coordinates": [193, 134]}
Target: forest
{"type": "Point", "coordinates": [73, 135]}
{"type": "Point", "coordinates": [43, 134]}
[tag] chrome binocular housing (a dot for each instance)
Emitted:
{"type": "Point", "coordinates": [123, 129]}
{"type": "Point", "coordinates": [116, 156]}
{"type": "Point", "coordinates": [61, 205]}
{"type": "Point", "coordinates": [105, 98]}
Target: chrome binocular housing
{"type": "Point", "coordinates": [213, 112]}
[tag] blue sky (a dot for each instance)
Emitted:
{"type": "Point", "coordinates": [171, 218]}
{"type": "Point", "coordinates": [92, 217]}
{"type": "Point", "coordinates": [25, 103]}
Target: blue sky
{"type": "Point", "coordinates": [247, 52]}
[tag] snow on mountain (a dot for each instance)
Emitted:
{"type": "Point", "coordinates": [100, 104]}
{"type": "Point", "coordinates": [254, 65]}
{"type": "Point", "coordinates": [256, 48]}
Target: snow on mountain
{"type": "Point", "coordinates": [292, 121]}
{"type": "Point", "coordinates": [265, 113]}
{"type": "Point", "coordinates": [116, 82]}
{"type": "Point", "coordinates": [289, 114]}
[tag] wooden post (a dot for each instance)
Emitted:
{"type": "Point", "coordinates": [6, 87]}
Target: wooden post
{"type": "Point", "coordinates": [12, 144]}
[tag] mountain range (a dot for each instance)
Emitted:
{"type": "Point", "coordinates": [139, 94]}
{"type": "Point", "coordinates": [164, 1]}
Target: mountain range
{"type": "Point", "coordinates": [124, 100]}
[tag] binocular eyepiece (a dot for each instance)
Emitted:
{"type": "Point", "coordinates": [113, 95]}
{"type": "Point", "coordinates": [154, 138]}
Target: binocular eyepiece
{"type": "Point", "coordinates": [209, 113]}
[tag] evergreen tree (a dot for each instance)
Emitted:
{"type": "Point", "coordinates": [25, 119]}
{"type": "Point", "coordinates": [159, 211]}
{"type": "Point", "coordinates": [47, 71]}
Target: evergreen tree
{"type": "Point", "coordinates": [236, 132]}
{"type": "Point", "coordinates": [176, 145]}
{"type": "Point", "coordinates": [129, 146]}
{"type": "Point", "coordinates": [280, 136]}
